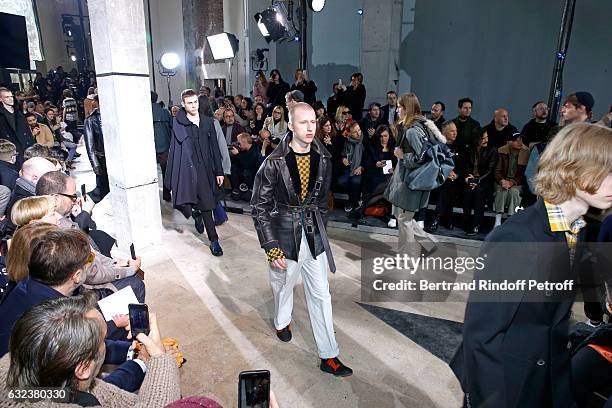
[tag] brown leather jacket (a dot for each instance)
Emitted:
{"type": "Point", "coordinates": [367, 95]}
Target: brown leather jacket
{"type": "Point", "coordinates": [501, 171]}
{"type": "Point", "coordinates": [278, 213]}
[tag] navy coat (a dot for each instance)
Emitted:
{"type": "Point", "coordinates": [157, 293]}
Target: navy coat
{"type": "Point", "coordinates": [29, 293]}
{"type": "Point", "coordinates": [517, 353]}
{"type": "Point", "coordinates": [193, 165]}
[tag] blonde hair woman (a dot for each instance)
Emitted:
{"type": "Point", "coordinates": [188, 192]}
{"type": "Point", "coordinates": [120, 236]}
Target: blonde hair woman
{"type": "Point", "coordinates": [406, 202]}
{"type": "Point", "coordinates": [574, 173]}
{"type": "Point", "coordinates": [276, 124]}
{"type": "Point", "coordinates": [35, 209]}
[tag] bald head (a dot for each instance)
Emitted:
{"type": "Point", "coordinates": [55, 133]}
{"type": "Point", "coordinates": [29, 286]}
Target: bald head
{"type": "Point", "coordinates": [500, 116]}
{"type": "Point", "coordinates": [298, 109]}
{"type": "Point", "coordinates": [34, 168]}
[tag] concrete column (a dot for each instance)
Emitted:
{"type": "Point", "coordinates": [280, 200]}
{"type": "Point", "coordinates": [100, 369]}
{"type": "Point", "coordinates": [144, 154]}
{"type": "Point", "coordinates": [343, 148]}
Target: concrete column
{"type": "Point", "coordinates": [380, 43]}
{"type": "Point", "coordinates": [120, 53]}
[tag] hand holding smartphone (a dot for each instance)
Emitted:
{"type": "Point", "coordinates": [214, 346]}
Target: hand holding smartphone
{"type": "Point", "coordinates": [83, 192]}
{"type": "Point", "coordinates": [139, 319]}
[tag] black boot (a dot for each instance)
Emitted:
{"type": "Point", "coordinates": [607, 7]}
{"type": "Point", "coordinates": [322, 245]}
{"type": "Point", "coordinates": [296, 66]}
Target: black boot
{"type": "Point", "coordinates": [433, 226]}
{"type": "Point", "coordinates": [199, 220]}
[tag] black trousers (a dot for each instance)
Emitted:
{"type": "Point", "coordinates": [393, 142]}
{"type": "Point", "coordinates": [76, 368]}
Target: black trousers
{"type": "Point", "coordinates": [446, 198]}
{"type": "Point", "coordinates": [590, 372]}
{"type": "Point", "coordinates": [162, 159]}
{"type": "Point", "coordinates": [474, 200]}
{"type": "Point", "coordinates": [209, 223]}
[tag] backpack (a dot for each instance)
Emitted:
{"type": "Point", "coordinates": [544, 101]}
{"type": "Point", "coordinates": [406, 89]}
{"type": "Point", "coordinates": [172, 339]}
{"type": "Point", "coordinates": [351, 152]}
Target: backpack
{"type": "Point", "coordinates": [436, 163]}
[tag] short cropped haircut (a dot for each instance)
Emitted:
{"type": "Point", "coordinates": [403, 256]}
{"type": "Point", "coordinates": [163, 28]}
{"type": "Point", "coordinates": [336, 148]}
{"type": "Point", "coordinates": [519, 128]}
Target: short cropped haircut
{"type": "Point", "coordinates": [29, 114]}
{"type": "Point", "coordinates": [51, 339]}
{"type": "Point", "coordinates": [58, 255]}
{"type": "Point", "coordinates": [295, 95]}
{"type": "Point", "coordinates": [441, 104]}
{"type": "Point", "coordinates": [36, 150]}
{"type": "Point", "coordinates": [536, 104]}
{"type": "Point", "coordinates": [188, 93]}
{"type": "Point", "coordinates": [446, 125]}
{"type": "Point", "coordinates": [464, 100]}
{"type": "Point", "coordinates": [7, 150]}
{"type": "Point", "coordinates": [578, 157]}
{"type": "Point", "coordinates": [246, 137]}
{"type": "Point", "coordinates": [53, 182]}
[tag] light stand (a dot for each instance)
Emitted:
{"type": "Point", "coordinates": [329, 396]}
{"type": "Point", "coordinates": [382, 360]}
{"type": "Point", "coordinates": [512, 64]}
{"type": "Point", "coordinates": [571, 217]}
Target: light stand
{"type": "Point", "coordinates": [167, 67]}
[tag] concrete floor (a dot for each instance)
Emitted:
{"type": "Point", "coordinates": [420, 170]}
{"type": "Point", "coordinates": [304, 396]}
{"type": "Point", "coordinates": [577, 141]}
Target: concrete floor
{"type": "Point", "coordinates": [221, 309]}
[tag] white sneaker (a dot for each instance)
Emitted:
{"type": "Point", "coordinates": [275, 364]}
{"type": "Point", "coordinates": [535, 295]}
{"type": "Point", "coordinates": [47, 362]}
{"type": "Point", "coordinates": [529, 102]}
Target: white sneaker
{"type": "Point", "coordinates": [392, 223]}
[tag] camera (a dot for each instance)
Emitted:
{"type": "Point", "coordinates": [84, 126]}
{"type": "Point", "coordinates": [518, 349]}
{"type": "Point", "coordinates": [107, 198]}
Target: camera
{"type": "Point", "coordinates": [275, 140]}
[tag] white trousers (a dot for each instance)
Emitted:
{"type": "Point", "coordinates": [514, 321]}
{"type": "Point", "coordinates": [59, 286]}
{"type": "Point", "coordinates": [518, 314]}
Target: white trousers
{"type": "Point", "coordinates": [318, 298]}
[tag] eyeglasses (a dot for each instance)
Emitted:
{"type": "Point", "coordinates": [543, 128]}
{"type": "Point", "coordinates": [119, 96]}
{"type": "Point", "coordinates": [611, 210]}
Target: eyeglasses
{"type": "Point", "coordinates": [346, 112]}
{"type": "Point", "coordinates": [73, 197]}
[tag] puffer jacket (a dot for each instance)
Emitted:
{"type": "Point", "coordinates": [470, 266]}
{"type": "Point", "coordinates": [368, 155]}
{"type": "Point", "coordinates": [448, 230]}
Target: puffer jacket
{"type": "Point", "coordinates": [279, 214]}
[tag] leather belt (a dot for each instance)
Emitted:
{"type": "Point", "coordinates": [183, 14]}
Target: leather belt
{"type": "Point", "coordinates": [307, 211]}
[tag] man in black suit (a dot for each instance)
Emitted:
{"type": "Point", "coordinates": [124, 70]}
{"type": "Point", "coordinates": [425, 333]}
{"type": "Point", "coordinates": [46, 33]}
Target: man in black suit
{"type": "Point", "coordinates": [516, 350]}
{"type": "Point", "coordinates": [389, 111]}
{"type": "Point", "coordinates": [13, 126]}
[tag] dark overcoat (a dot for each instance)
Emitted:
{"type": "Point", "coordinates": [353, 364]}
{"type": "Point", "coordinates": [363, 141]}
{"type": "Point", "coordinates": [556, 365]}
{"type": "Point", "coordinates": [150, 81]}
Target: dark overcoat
{"type": "Point", "coordinates": [517, 353]}
{"type": "Point", "coordinates": [194, 162]}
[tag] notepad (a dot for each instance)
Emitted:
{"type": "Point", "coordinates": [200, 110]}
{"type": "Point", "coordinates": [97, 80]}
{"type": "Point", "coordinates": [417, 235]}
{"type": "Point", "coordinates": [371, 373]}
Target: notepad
{"type": "Point", "coordinates": [117, 303]}
{"type": "Point", "coordinates": [388, 167]}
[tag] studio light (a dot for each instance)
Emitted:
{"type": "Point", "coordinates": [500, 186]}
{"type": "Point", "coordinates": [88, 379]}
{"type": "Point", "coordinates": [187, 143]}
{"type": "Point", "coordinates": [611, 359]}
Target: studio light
{"type": "Point", "coordinates": [169, 61]}
{"type": "Point", "coordinates": [275, 23]}
{"type": "Point", "coordinates": [223, 46]}
{"type": "Point", "coordinates": [316, 5]}
{"type": "Point", "coordinates": [360, 12]}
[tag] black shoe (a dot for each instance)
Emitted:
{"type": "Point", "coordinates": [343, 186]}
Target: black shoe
{"type": "Point", "coordinates": [235, 195]}
{"type": "Point", "coordinates": [472, 232]}
{"type": "Point", "coordinates": [199, 220]}
{"type": "Point", "coordinates": [215, 248]}
{"type": "Point", "coordinates": [334, 366]}
{"type": "Point", "coordinates": [77, 155]}
{"type": "Point", "coordinates": [433, 227]}
{"type": "Point", "coordinates": [284, 334]}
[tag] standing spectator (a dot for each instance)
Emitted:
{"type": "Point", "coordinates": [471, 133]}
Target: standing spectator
{"type": "Point", "coordinates": [88, 102]}
{"type": "Point", "coordinates": [230, 128]}
{"type": "Point", "coordinates": [195, 171]}
{"type": "Point", "coordinates": [207, 104]}
{"type": "Point", "coordinates": [450, 189]}
{"type": "Point", "coordinates": [259, 117]}
{"type": "Point", "coordinates": [70, 114]}
{"type": "Point", "coordinates": [468, 128]}
{"type": "Point", "coordinates": [161, 134]}
{"type": "Point", "coordinates": [537, 129]}
{"type": "Point", "coordinates": [371, 122]}
{"type": "Point", "coordinates": [245, 162]}
{"type": "Point", "coordinates": [276, 124]}
{"type": "Point", "coordinates": [8, 155]}
{"type": "Point", "coordinates": [354, 95]}
{"type": "Point", "coordinates": [305, 85]}
{"type": "Point", "coordinates": [407, 202]}
{"type": "Point", "coordinates": [319, 109]}
{"type": "Point", "coordinates": [511, 162]}
{"type": "Point", "coordinates": [389, 111]}
{"type": "Point", "coordinates": [332, 101]}
{"type": "Point", "coordinates": [260, 86]}
{"type": "Point", "coordinates": [277, 88]}
{"type": "Point", "coordinates": [500, 129]}
{"type": "Point", "coordinates": [478, 173]}
{"type": "Point", "coordinates": [350, 176]}
{"type": "Point", "coordinates": [13, 126]}
{"type": "Point", "coordinates": [40, 131]}
{"type": "Point", "coordinates": [94, 142]}
{"type": "Point", "coordinates": [437, 114]}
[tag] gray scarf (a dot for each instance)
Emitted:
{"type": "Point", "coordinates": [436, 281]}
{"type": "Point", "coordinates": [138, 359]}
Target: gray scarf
{"type": "Point", "coordinates": [353, 150]}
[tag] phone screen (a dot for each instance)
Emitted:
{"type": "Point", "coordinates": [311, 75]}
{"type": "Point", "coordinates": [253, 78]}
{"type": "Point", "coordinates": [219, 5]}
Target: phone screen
{"type": "Point", "coordinates": [132, 251]}
{"type": "Point", "coordinates": [83, 192]}
{"type": "Point", "coordinates": [254, 389]}
{"type": "Point", "coordinates": [139, 318]}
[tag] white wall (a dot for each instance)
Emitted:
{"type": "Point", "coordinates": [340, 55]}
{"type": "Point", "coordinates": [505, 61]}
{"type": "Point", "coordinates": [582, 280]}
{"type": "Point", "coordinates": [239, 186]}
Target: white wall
{"type": "Point", "coordinates": [167, 35]}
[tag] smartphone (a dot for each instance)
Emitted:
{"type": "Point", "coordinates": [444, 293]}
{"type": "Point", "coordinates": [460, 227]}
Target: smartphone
{"type": "Point", "coordinates": [83, 192]}
{"type": "Point", "coordinates": [254, 389]}
{"type": "Point", "coordinates": [132, 251]}
{"type": "Point", "coordinates": [139, 318]}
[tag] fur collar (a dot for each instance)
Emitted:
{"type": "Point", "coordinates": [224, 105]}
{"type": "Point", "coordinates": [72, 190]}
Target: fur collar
{"type": "Point", "coordinates": [433, 129]}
